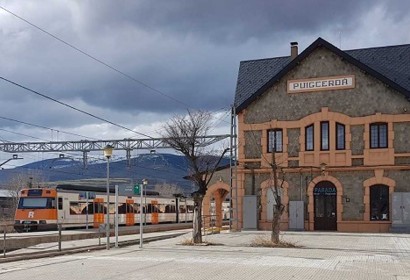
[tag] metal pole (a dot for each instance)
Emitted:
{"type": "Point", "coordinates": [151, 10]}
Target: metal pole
{"type": "Point", "coordinates": [59, 237]}
{"type": "Point", "coordinates": [141, 210]}
{"type": "Point", "coordinates": [186, 212]}
{"type": "Point", "coordinates": [116, 216]}
{"type": "Point", "coordinates": [4, 241]}
{"type": "Point", "coordinates": [107, 226]}
{"type": "Point", "coordinates": [86, 210]}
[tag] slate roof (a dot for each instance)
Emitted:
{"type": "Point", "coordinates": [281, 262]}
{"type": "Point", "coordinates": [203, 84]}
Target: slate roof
{"type": "Point", "coordinates": [389, 64]}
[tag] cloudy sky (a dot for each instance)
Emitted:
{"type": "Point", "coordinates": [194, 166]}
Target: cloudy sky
{"type": "Point", "coordinates": [174, 55]}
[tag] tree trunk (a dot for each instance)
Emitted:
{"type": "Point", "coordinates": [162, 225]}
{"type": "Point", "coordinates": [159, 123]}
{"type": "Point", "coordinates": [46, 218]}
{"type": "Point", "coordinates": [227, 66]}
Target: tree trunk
{"type": "Point", "coordinates": [275, 224]}
{"type": "Point", "coordinates": [197, 223]}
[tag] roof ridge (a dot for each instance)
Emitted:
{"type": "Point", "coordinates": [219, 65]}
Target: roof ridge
{"type": "Point", "coordinates": [382, 47]}
{"type": "Point", "coordinates": [269, 58]}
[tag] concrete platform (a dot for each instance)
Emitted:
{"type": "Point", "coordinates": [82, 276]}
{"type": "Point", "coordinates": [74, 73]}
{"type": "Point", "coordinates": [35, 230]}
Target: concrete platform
{"type": "Point", "coordinates": [322, 256]}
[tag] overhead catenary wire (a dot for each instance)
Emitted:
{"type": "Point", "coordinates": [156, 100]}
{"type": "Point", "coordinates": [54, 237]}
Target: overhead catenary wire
{"type": "Point", "coordinates": [72, 107]}
{"type": "Point", "coordinates": [45, 127]}
{"type": "Point", "coordinates": [96, 59]}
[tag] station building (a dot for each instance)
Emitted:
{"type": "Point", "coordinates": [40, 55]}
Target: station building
{"type": "Point", "coordinates": [339, 125]}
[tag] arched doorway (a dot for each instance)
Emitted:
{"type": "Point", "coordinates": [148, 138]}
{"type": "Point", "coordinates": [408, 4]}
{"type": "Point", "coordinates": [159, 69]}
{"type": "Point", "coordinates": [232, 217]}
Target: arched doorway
{"type": "Point", "coordinates": [215, 206]}
{"type": "Point", "coordinates": [325, 204]}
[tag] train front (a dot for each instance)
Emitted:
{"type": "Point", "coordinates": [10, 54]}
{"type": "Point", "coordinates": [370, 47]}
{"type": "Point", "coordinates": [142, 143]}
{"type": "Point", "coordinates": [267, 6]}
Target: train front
{"type": "Point", "coordinates": [36, 210]}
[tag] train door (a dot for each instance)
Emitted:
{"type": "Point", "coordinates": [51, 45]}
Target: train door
{"type": "Point", "coordinates": [129, 214]}
{"type": "Point", "coordinates": [154, 214]}
{"type": "Point", "coordinates": [60, 209]}
{"type": "Point", "coordinates": [98, 212]}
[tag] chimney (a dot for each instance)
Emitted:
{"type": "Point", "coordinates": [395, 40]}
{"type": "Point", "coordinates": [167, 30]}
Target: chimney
{"type": "Point", "coordinates": [293, 49]}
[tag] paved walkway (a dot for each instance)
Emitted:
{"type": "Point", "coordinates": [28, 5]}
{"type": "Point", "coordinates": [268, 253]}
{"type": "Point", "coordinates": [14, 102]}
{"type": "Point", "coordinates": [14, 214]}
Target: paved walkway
{"type": "Point", "coordinates": [321, 256]}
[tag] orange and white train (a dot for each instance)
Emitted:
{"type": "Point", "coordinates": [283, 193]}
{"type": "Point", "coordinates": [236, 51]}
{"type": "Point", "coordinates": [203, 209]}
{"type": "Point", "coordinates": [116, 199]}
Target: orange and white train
{"type": "Point", "coordinates": [75, 206]}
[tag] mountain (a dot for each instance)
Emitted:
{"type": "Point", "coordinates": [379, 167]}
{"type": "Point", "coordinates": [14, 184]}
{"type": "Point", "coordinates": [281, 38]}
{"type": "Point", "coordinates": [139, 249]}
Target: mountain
{"type": "Point", "coordinates": [156, 168]}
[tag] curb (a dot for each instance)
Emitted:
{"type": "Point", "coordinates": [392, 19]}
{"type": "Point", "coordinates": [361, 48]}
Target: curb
{"type": "Point", "coordinates": [83, 249]}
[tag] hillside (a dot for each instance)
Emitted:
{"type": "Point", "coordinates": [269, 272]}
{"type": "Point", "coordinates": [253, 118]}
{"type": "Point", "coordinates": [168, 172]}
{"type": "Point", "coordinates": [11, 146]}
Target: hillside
{"type": "Point", "coordinates": [156, 168]}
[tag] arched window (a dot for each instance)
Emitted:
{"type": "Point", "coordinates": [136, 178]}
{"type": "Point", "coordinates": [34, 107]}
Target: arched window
{"type": "Point", "coordinates": [309, 132]}
{"type": "Point", "coordinates": [379, 203]}
{"type": "Point", "coordinates": [340, 136]}
{"type": "Point", "coordinates": [324, 136]}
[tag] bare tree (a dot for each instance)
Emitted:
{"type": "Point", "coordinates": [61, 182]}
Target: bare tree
{"type": "Point", "coordinates": [167, 189]}
{"type": "Point", "coordinates": [276, 189]}
{"type": "Point", "coordinates": [20, 181]}
{"type": "Point", "coordinates": [185, 134]}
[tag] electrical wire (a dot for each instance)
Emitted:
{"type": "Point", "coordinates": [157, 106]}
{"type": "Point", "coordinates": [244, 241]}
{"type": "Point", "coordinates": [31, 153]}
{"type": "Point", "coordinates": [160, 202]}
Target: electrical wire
{"type": "Point", "coordinates": [96, 59]}
{"type": "Point", "coordinates": [48, 128]}
{"type": "Point", "coordinates": [72, 107]}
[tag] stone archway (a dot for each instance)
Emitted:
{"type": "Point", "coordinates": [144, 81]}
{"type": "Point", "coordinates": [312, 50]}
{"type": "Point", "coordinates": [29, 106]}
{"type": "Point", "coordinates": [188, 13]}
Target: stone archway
{"type": "Point", "coordinates": [339, 195]}
{"type": "Point", "coordinates": [216, 194]}
{"type": "Point", "coordinates": [378, 179]}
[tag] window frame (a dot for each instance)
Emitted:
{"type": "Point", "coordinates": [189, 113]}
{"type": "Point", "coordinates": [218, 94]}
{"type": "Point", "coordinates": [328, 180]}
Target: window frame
{"type": "Point", "coordinates": [322, 135]}
{"type": "Point", "coordinates": [275, 131]}
{"type": "Point", "coordinates": [378, 135]}
{"type": "Point", "coordinates": [337, 136]}
{"type": "Point", "coordinates": [312, 126]}
{"type": "Point", "coordinates": [376, 213]}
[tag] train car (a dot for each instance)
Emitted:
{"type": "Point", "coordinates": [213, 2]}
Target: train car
{"type": "Point", "coordinates": [75, 206]}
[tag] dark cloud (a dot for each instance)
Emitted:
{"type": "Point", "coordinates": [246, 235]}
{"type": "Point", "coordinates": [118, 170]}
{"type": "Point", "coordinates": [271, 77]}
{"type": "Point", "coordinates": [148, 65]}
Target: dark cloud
{"type": "Point", "coordinates": [228, 21]}
{"type": "Point", "coordinates": [187, 50]}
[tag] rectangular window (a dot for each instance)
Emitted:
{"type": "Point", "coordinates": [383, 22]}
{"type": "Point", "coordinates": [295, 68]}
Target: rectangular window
{"type": "Point", "coordinates": [309, 144]}
{"type": "Point", "coordinates": [275, 139]}
{"type": "Point", "coordinates": [60, 203]}
{"type": "Point", "coordinates": [379, 203]}
{"type": "Point", "coordinates": [378, 135]}
{"type": "Point", "coordinates": [324, 136]}
{"type": "Point", "coordinates": [340, 136]}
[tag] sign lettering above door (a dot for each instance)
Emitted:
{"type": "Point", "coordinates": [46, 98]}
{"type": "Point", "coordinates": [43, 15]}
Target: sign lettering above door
{"type": "Point", "coordinates": [320, 84]}
{"type": "Point", "coordinates": [324, 191]}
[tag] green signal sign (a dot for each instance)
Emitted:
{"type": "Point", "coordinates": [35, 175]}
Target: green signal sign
{"type": "Point", "coordinates": [137, 189]}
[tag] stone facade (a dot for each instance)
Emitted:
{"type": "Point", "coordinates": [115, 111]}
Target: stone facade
{"type": "Point", "coordinates": [352, 170]}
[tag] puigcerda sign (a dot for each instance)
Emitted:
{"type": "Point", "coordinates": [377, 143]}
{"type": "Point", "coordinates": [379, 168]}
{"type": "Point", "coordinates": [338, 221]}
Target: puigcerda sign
{"type": "Point", "coordinates": [321, 84]}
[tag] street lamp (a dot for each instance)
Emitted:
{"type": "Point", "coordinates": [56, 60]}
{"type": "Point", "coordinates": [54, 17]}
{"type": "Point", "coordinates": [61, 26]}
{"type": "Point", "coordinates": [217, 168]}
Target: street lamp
{"type": "Point", "coordinates": [107, 154]}
{"type": "Point", "coordinates": [143, 186]}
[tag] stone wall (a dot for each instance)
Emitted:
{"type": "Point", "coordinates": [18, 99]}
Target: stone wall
{"type": "Point", "coordinates": [368, 97]}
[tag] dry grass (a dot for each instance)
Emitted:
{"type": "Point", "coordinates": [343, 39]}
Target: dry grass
{"type": "Point", "coordinates": [265, 241]}
{"type": "Point", "coordinates": [190, 242]}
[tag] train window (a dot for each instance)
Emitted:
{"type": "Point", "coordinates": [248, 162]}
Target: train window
{"type": "Point", "coordinates": [190, 208]}
{"type": "Point", "coordinates": [60, 203]}
{"type": "Point", "coordinates": [35, 203]}
{"type": "Point", "coordinates": [75, 208]}
{"type": "Point", "coordinates": [78, 208]}
{"type": "Point", "coordinates": [130, 209]}
{"type": "Point", "coordinates": [170, 208]}
{"type": "Point", "coordinates": [161, 208]}
{"type": "Point", "coordinates": [182, 209]}
{"type": "Point", "coordinates": [90, 208]}
{"type": "Point", "coordinates": [136, 207]}
{"type": "Point", "coordinates": [112, 208]}
{"type": "Point", "coordinates": [122, 208]}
